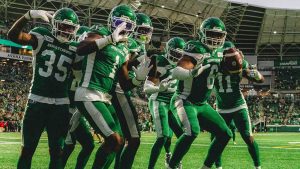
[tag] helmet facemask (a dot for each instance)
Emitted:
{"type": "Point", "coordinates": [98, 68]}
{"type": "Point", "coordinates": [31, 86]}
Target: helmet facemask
{"type": "Point", "coordinates": [213, 38]}
{"type": "Point", "coordinates": [143, 34]}
{"type": "Point", "coordinates": [65, 30]}
{"type": "Point", "coordinates": [173, 55]}
{"type": "Point", "coordinates": [114, 22]}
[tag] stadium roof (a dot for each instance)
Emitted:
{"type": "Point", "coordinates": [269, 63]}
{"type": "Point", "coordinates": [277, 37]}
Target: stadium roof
{"type": "Point", "coordinates": [271, 4]}
{"type": "Point", "coordinates": [254, 28]}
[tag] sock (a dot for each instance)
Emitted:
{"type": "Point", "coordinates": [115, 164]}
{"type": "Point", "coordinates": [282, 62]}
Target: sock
{"type": "Point", "coordinates": [254, 152]}
{"type": "Point", "coordinates": [67, 151]}
{"type": "Point", "coordinates": [215, 150]}
{"type": "Point", "coordinates": [128, 154]}
{"type": "Point", "coordinates": [182, 146]}
{"type": "Point", "coordinates": [167, 145]}
{"type": "Point", "coordinates": [155, 151]}
{"type": "Point", "coordinates": [84, 156]}
{"type": "Point", "coordinates": [118, 157]}
{"type": "Point", "coordinates": [103, 158]}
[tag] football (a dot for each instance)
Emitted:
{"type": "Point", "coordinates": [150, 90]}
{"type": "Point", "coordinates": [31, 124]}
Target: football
{"type": "Point", "coordinates": [232, 60]}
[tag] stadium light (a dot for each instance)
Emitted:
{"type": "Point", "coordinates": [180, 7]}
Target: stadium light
{"type": "Point", "coordinates": [163, 6]}
{"type": "Point", "coordinates": [275, 32]}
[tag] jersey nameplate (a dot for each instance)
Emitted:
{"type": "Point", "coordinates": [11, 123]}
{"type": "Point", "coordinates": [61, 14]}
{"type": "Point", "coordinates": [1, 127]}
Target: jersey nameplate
{"type": "Point", "coordinates": [72, 48]}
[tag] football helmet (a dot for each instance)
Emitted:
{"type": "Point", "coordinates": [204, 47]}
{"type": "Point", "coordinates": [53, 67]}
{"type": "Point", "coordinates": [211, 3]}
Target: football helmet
{"type": "Point", "coordinates": [65, 24]}
{"type": "Point", "coordinates": [195, 50]}
{"type": "Point", "coordinates": [144, 29]}
{"type": "Point", "coordinates": [228, 44]}
{"type": "Point", "coordinates": [212, 32]}
{"type": "Point", "coordinates": [174, 48]}
{"type": "Point", "coordinates": [120, 14]}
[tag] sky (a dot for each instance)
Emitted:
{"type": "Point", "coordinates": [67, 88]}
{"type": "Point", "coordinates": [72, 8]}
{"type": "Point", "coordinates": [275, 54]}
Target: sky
{"type": "Point", "coordinates": [274, 4]}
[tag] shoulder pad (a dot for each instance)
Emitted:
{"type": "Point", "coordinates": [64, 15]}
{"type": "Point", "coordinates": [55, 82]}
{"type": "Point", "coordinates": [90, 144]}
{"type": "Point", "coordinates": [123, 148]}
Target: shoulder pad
{"type": "Point", "coordinates": [42, 31]}
{"type": "Point", "coordinates": [103, 31]}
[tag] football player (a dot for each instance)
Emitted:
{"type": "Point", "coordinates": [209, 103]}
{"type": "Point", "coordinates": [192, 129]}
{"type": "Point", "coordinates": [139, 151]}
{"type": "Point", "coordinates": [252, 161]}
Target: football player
{"type": "Point", "coordinates": [232, 106]}
{"type": "Point", "coordinates": [161, 86]}
{"type": "Point", "coordinates": [107, 60]}
{"type": "Point", "coordinates": [79, 129]}
{"type": "Point", "coordinates": [121, 100]}
{"type": "Point", "coordinates": [53, 57]}
{"type": "Point", "coordinates": [196, 72]}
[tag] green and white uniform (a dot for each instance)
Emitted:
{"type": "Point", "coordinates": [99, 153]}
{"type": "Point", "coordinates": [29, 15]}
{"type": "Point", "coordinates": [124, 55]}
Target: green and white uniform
{"type": "Point", "coordinates": [159, 103]}
{"type": "Point", "coordinates": [190, 103]}
{"type": "Point", "coordinates": [48, 98]}
{"type": "Point", "coordinates": [122, 102]}
{"type": "Point", "coordinates": [79, 129]}
{"type": "Point", "coordinates": [232, 106]}
{"type": "Point", "coordinates": [92, 96]}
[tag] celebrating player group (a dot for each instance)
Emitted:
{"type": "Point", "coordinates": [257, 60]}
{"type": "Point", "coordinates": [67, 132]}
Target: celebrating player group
{"type": "Point", "coordinates": [83, 77]}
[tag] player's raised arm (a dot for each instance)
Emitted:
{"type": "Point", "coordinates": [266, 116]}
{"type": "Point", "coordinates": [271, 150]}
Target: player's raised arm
{"type": "Point", "coordinates": [252, 74]}
{"type": "Point", "coordinates": [187, 67]}
{"type": "Point", "coordinates": [95, 41]}
{"type": "Point", "coordinates": [16, 34]}
{"type": "Point", "coordinates": [141, 73]}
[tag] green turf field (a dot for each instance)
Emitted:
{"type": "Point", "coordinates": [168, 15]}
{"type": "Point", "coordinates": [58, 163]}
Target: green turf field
{"type": "Point", "coordinates": [277, 150]}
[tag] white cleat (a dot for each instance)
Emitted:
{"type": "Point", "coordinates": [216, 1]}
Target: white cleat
{"type": "Point", "coordinates": [179, 166]}
{"type": "Point", "coordinates": [219, 168]}
{"type": "Point", "coordinates": [168, 158]}
{"type": "Point", "coordinates": [259, 167]}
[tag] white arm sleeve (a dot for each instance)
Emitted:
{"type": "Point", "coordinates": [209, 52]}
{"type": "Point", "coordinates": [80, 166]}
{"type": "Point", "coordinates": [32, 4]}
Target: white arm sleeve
{"type": "Point", "coordinates": [150, 88]}
{"type": "Point", "coordinates": [181, 73]}
{"type": "Point", "coordinates": [102, 42]}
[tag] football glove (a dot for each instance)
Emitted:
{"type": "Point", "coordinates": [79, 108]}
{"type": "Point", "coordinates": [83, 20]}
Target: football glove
{"type": "Point", "coordinates": [39, 14]}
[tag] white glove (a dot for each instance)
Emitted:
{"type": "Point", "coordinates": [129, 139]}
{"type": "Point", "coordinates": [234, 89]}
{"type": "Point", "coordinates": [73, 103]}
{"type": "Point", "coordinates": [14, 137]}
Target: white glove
{"type": "Point", "coordinates": [39, 14]}
{"type": "Point", "coordinates": [198, 70]}
{"type": "Point", "coordinates": [141, 72]}
{"type": "Point", "coordinates": [254, 73]}
{"type": "Point", "coordinates": [164, 85]}
{"type": "Point", "coordinates": [116, 37]}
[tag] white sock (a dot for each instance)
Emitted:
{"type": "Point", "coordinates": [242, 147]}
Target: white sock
{"type": "Point", "coordinates": [258, 167]}
{"type": "Point", "coordinates": [219, 168]}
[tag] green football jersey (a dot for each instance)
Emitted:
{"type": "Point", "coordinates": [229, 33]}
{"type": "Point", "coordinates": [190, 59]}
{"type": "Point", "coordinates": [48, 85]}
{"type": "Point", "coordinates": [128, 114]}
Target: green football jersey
{"type": "Point", "coordinates": [100, 68]}
{"type": "Point", "coordinates": [228, 92]}
{"type": "Point", "coordinates": [52, 63]}
{"type": "Point", "coordinates": [164, 68]}
{"type": "Point", "coordinates": [197, 90]}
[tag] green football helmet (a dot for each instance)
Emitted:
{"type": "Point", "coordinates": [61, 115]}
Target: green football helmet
{"type": "Point", "coordinates": [144, 29]}
{"type": "Point", "coordinates": [81, 34]}
{"type": "Point", "coordinates": [194, 49]}
{"type": "Point", "coordinates": [174, 48]}
{"type": "Point", "coordinates": [65, 24]}
{"type": "Point", "coordinates": [120, 14]}
{"type": "Point", "coordinates": [212, 32]}
{"type": "Point", "coordinates": [228, 44]}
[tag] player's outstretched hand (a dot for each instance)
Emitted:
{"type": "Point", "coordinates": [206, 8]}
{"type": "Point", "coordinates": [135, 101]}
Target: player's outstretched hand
{"type": "Point", "coordinates": [39, 14]}
{"type": "Point", "coordinates": [117, 35]}
{"type": "Point", "coordinates": [164, 85]}
{"type": "Point", "coordinates": [199, 69]}
{"type": "Point", "coordinates": [143, 69]}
